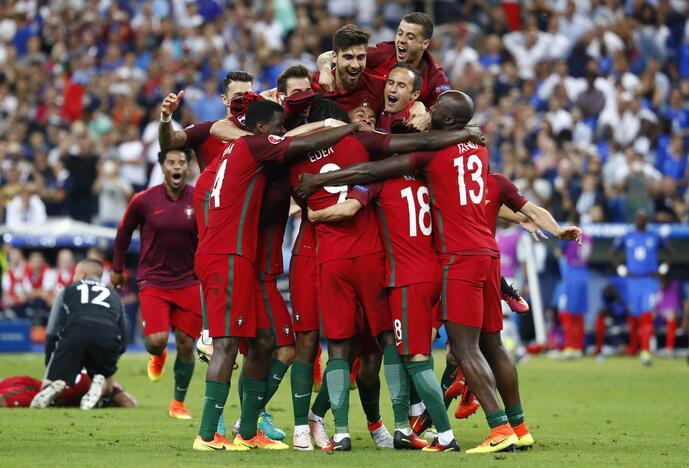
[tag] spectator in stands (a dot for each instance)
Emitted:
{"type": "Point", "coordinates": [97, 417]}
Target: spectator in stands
{"type": "Point", "coordinates": [26, 208]}
{"type": "Point", "coordinates": [113, 193]}
{"type": "Point", "coordinates": [15, 287]}
{"type": "Point", "coordinates": [41, 280]}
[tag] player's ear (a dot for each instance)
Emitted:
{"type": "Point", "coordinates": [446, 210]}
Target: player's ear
{"type": "Point", "coordinates": [225, 101]}
{"type": "Point", "coordinates": [426, 44]}
{"type": "Point", "coordinates": [415, 95]}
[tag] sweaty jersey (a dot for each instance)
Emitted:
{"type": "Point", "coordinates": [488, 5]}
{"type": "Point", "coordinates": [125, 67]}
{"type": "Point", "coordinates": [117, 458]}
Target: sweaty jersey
{"type": "Point", "coordinates": [641, 249]}
{"type": "Point", "coordinates": [358, 235]}
{"type": "Point", "coordinates": [382, 57]}
{"type": "Point", "coordinates": [237, 193]}
{"type": "Point", "coordinates": [406, 225]}
{"type": "Point", "coordinates": [457, 177]}
{"type": "Point", "coordinates": [501, 191]}
{"type": "Point", "coordinates": [368, 90]}
{"type": "Point", "coordinates": [168, 238]}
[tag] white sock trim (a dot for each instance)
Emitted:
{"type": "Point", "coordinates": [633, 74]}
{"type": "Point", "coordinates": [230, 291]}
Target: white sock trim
{"type": "Point", "coordinates": [417, 409]}
{"type": "Point", "coordinates": [444, 438]}
{"type": "Point", "coordinates": [338, 437]}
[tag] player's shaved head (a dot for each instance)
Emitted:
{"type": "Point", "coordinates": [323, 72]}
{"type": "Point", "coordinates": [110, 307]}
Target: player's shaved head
{"type": "Point", "coordinates": [453, 111]}
{"type": "Point", "coordinates": [89, 268]}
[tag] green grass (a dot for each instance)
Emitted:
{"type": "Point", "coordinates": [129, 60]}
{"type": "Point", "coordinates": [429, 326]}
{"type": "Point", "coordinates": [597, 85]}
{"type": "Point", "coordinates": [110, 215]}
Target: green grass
{"type": "Point", "coordinates": [614, 413]}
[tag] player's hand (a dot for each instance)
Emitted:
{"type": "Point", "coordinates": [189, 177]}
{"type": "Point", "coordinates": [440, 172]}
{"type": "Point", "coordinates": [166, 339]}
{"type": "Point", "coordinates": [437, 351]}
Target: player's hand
{"type": "Point", "coordinates": [327, 79]}
{"type": "Point", "coordinates": [534, 230]}
{"type": "Point", "coordinates": [477, 137]}
{"type": "Point", "coordinates": [117, 280]}
{"type": "Point", "coordinates": [306, 186]}
{"type": "Point", "coordinates": [420, 122]}
{"type": "Point", "coordinates": [271, 95]}
{"type": "Point", "coordinates": [571, 233]}
{"type": "Point", "coordinates": [171, 103]}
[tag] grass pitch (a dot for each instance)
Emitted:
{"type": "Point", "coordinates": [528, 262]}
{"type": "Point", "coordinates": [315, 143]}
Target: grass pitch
{"type": "Point", "coordinates": [584, 413]}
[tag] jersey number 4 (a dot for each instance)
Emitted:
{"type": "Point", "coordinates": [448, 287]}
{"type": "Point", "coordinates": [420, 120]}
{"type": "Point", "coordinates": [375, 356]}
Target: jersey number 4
{"type": "Point", "coordinates": [421, 220]}
{"type": "Point", "coordinates": [475, 167]}
{"type": "Point", "coordinates": [217, 184]}
{"type": "Point", "coordinates": [102, 293]}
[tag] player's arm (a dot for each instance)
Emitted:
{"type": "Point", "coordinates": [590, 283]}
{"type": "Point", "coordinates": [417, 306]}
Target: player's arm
{"type": "Point", "coordinates": [523, 221]}
{"type": "Point", "coordinates": [336, 213]}
{"type": "Point", "coordinates": [167, 136]}
{"type": "Point", "coordinates": [132, 219]}
{"type": "Point", "coordinates": [363, 173]}
{"type": "Point", "coordinates": [301, 145]}
{"type": "Point", "coordinates": [431, 141]}
{"type": "Point", "coordinates": [227, 130]}
{"type": "Point", "coordinates": [55, 321]}
{"type": "Point", "coordinates": [124, 328]}
{"type": "Point", "coordinates": [314, 127]}
{"type": "Point", "coordinates": [544, 220]}
{"type": "Point", "coordinates": [325, 64]}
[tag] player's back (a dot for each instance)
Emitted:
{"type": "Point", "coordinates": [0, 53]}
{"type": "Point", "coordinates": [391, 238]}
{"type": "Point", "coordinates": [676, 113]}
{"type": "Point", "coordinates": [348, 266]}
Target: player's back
{"type": "Point", "coordinates": [92, 301]}
{"type": "Point", "coordinates": [356, 236]}
{"type": "Point", "coordinates": [457, 177]}
{"type": "Point", "coordinates": [404, 214]}
{"type": "Point", "coordinates": [641, 248]}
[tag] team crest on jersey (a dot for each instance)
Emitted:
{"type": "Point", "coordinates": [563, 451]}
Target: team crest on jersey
{"type": "Point", "coordinates": [442, 88]}
{"type": "Point", "coordinates": [297, 318]}
{"type": "Point", "coordinates": [241, 118]}
{"type": "Point", "coordinates": [274, 139]}
{"type": "Point", "coordinates": [189, 211]}
{"type": "Point", "coordinates": [240, 322]}
{"type": "Point", "coordinates": [286, 330]}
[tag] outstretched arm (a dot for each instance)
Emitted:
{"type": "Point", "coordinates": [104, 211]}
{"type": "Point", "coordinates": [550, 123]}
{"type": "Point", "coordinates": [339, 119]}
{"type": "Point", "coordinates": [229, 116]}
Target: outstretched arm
{"type": "Point", "coordinates": [433, 140]}
{"type": "Point", "coordinates": [544, 220]}
{"type": "Point", "coordinates": [363, 173]}
{"type": "Point", "coordinates": [336, 213]}
{"type": "Point", "coordinates": [300, 146]}
{"type": "Point", "coordinates": [522, 220]}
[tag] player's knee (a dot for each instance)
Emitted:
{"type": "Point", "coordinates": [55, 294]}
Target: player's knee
{"type": "Point", "coordinates": [386, 338]}
{"type": "Point", "coordinates": [264, 343]}
{"type": "Point", "coordinates": [156, 344]}
{"type": "Point", "coordinates": [286, 354]}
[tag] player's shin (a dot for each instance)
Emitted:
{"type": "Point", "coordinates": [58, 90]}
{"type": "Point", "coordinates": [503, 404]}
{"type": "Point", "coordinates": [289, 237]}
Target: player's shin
{"type": "Point", "coordinates": [398, 382]}
{"type": "Point", "coordinates": [369, 394]}
{"type": "Point", "coordinates": [447, 379]}
{"type": "Point", "coordinates": [183, 374]}
{"type": "Point", "coordinates": [429, 390]}
{"type": "Point", "coordinates": [216, 395]}
{"type": "Point", "coordinates": [278, 369]}
{"type": "Point", "coordinates": [254, 394]}
{"type": "Point", "coordinates": [302, 381]}
{"type": "Point", "coordinates": [337, 378]}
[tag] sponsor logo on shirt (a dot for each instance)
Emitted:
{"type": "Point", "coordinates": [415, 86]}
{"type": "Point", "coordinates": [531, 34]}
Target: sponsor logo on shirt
{"type": "Point", "coordinates": [442, 88]}
{"type": "Point", "coordinates": [274, 139]}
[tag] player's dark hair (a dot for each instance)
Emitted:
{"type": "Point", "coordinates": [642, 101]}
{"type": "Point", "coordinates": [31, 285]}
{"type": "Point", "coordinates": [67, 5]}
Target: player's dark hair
{"type": "Point", "coordinates": [322, 109]}
{"type": "Point", "coordinates": [348, 36]}
{"type": "Point", "coordinates": [244, 77]}
{"type": "Point", "coordinates": [260, 111]}
{"type": "Point", "coordinates": [295, 71]}
{"type": "Point", "coordinates": [423, 20]}
{"type": "Point", "coordinates": [418, 79]}
{"type": "Point", "coordinates": [162, 154]}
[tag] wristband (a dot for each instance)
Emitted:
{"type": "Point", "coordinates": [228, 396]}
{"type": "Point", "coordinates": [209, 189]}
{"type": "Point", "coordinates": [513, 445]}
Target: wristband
{"type": "Point", "coordinates": [328, 122]}
{"type": "Point", "coordinates": [164, 120]}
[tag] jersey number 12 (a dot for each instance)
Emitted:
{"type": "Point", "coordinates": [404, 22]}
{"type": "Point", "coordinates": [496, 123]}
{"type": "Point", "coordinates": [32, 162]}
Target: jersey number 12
{"type": "Point", "coordinates": [102, 293]}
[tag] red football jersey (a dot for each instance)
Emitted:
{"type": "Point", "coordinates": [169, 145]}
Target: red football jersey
{"type": "Point", "coordinates": [305, 244]}
{"type": "Point", "coordinates": [457, 177]}
{"type": "Point", "coordinates": [271, 228]}
{"type": "Point", "coordinates": [358, 235]}
{"type": "Point", "coordinates": [205, 146]}
{"type": "Point", "coordinates": [501, 191]}
{"type": "Point", "coordinates": [406, 226]}
{"type": "Point", "coordinates": [382, 57]}
{"type": "Point", "coordinates": [369, 89]}
{"type": "Point", "coordinates": [237, 194]}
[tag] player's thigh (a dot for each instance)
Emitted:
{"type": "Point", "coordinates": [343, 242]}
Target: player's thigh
{"type": "Point", "coordinates": [412, 313]}
{"type": "Point", "coordinates": [67, 358]}
{"type": "Point", "coordinates": [369, 274]}
{"type": "Point", "coordinates": [635, 296]}
{"type": "Point", "coordinates": [187, 310]}
{"type": "Point", "coordinates": [229, 283]}
{"type": "Point", "coordinates": [303, 286]}
{"type": "Point", "coordinates": [463, 281]}
{"type": "Point", "coordinates": [492, 308]}
{"type": "Point", "coordinates": [101, 355]}
{"type": "Point", "coordinates": [272, 305]}
{"type": "Point", "coordinates": [156, 310]}
{"type": "Point", "coordinates": [337, 298]}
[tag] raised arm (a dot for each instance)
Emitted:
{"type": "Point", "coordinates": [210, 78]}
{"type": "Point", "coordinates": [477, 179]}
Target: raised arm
{"type": "Point", "coordinates": [433, 140]}
{"type": "Point", "coordinates": [227, 130]}
{"type": "Point", "coordinates": [363, 173]}
{"type": "Point", "coordinates": [544, 220]}
{"type": "Point", "coordinates": [167, 136]}
{"type": "Point", "coordinates": [324, 64]}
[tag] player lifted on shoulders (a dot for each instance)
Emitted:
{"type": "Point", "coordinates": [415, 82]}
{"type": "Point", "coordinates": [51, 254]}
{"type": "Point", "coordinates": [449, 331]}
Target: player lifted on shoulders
{"type": "Point", "coordinates": [168, 288]}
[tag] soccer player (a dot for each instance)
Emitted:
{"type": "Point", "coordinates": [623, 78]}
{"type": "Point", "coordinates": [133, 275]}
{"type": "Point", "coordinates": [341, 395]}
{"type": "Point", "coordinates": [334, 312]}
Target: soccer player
{"type": "Point", "coordinates": [471, 309]}
{"type": "Point", "coordinates": [225, 263]}
{"type": "Point", "coordinates": [410, 46]}
{"type": "Point", "coordinates": [87, 328]}
{"type": "Point", "coordinates": [352, 84]}
{"type": "Point", "coordinates": [576, 295]}
{"type": "Point", "coordinates": [168, 289]}
{"type": "Point", "coordinates": [352, 270]}
{"type": "Point", "coordinates": [641, 268]}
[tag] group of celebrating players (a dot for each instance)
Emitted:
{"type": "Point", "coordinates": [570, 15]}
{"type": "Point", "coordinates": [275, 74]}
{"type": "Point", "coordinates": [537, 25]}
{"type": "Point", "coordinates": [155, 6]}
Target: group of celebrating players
{"type": "Point", "coordinates": [398, 213]}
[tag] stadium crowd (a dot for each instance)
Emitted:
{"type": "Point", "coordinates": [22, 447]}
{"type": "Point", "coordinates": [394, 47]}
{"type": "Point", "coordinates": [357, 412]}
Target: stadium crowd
{"type": "Point", "coordinates": [585, 103]}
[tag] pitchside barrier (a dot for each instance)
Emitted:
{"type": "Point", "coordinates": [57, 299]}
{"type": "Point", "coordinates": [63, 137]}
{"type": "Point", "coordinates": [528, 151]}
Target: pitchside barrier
{"type": "Point", "coordinates": [540, 277]}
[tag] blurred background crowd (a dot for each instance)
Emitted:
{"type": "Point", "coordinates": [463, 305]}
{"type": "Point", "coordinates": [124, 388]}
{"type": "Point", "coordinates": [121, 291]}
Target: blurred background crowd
{"type": "Point", "coordinates": [585, 102]}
